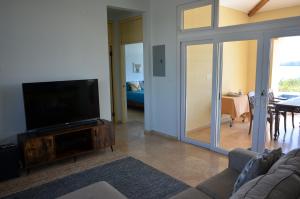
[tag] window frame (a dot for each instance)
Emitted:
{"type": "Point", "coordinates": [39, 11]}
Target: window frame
{"type": "Point", "coordinates": [192, 5]}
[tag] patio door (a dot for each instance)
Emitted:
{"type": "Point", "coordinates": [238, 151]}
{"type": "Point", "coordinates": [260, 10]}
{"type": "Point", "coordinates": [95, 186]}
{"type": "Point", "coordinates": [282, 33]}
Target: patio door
{"type": "Point", "coordinates": [282, 80]}
{"type": "Point", "coordinates": [197, 84]}
{"type": "Point", "coordinates": [218, 79]}
{"type": "Point", "coordinates": [238, 100]}
{"type": "Point", "coordinates": [225, 84]}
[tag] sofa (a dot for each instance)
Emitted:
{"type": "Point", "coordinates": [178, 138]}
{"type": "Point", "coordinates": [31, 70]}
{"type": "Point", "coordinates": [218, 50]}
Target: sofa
{"type": "Point", "coordinates": [220, 186]}
{"type": "Point", "coordinates": [282, 181]}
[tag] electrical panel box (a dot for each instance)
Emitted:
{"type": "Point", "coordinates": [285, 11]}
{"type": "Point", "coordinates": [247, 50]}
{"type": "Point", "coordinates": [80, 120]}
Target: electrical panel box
{"type": "Point", "coordinates": [159, 61]}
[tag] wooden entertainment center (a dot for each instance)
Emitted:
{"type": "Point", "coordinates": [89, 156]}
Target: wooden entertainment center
{"type": "Point", "coordinates": [43, 147]}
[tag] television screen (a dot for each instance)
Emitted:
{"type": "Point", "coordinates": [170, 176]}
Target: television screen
{"type": "Point", "coordinates": [58, 103]}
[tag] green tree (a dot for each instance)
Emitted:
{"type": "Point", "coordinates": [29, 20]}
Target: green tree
{"type": "Point", "coordinates": [289, 85]}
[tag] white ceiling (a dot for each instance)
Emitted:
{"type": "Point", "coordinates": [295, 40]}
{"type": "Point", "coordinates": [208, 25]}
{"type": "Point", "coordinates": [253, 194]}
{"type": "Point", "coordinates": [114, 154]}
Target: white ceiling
{"type": "Point", "coordinates": [247, 5]}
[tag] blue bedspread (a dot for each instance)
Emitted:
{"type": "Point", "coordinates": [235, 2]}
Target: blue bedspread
{"type": "Point", "coordinates": [136, 96]}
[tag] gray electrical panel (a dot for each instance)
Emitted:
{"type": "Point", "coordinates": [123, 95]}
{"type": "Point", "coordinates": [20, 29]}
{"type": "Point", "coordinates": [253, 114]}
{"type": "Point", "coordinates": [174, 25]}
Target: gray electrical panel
{"type": "Point", "coordinates": [159, 61]}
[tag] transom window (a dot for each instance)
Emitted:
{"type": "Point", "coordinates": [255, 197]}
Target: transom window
{"type": "Point", "coordinates": [197, 15]}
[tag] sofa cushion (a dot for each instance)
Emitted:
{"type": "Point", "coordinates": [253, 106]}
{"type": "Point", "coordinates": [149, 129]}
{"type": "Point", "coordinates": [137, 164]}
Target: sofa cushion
{"type": "Point", "coordinates": [282, 184]}
{"type": "Point", "coordinates": [290, 161]}
{"type": "Point", "coordinates": [191, 193]}
{"type": "Point", "coordinates": [257, 166]}
{"type": "Point", "coordinates": [220, 186]}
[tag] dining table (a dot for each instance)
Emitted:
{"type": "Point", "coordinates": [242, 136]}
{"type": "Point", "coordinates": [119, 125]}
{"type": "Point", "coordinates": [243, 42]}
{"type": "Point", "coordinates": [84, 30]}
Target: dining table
{"type": "Point", "coordinates": [235, 106]}
{"type": "Point", "coordinates": [290, 105]}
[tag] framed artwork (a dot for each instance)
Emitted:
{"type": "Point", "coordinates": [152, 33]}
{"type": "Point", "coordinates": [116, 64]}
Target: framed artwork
{"type": "Point", "coordinates": [136, 68]}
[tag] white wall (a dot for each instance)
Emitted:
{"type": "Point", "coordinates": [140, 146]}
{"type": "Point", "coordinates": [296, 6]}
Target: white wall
{"type": "Point", "coordinates": [42, 40]}
{"type": "Point", "coordinates": [164, 104]}
{"type": "Point", "coordinates": [134, 55]}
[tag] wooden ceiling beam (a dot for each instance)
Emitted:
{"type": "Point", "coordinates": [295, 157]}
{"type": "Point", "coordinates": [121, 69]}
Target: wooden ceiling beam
{"type": "Point", "coordinates": [257, 7]}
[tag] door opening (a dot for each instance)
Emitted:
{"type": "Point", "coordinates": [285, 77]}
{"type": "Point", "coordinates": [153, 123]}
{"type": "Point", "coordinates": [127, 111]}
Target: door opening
{"type": "Point", "coordinates": [284, 92]}
{"type": "Point", "coordinates": [134, 73]}
{"type": "Point", "coordinates": [127, 65]}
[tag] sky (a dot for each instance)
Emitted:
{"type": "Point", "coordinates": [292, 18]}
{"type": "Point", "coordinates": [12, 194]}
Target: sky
{"type": "Point", "coordinates": [289, 49]}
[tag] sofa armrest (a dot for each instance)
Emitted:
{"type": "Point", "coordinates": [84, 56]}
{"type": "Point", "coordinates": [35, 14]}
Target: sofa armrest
{"type": "Point", "coordinates": [238, 158]}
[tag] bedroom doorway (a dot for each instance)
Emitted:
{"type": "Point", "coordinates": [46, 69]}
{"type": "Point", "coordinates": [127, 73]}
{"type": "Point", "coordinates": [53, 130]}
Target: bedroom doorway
{"type": "Point", "coordinates": [126, 44]}
{"type": "Point", "coordinates": [134, 78]}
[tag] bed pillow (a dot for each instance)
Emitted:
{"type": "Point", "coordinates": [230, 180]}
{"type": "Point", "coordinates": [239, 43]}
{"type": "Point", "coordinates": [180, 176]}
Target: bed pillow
{"type": "Point", "coordinates": [128, 87]}
{"type": "Point", "coordinates": [134, 86]}
{"type": "Point", "coordinates": [257, 166]}
{"type": "Point", "coordinates": [142, 85]}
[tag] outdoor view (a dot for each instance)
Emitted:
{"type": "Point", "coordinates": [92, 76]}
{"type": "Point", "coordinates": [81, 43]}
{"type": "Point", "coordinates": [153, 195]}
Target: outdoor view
{"type": "Point", "coordinates": [286, 65]}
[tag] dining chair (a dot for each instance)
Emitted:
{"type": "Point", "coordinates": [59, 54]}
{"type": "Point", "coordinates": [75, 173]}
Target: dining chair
{"type": "Point", "coordinates": [270, 115]}
{"type": "Point", "coordinates": [272, 104]}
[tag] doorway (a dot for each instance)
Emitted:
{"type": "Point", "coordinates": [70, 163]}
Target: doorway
{"type": "Point", "coordinates": [127, 73]}
{"type": "Point", "coordinates": [237, 94]}
{"type": "Point", "coordinates": [134, 73]}
{"type": "Point", "coordinates": [197, 76]}
{"type": "Point", "coordinates": [237, 113]}
{"type": "Point", "coordinates": [235, 91]}
{"type": "Point", "coordinates": [284, 92]}
{"type": "Point", "coordinates": [216, 93]}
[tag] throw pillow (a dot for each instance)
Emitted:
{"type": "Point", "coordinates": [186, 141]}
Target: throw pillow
{"type": "Point", "coordinates": [257, 166]}
{"type": "Point", "coordinates": [135, 86]}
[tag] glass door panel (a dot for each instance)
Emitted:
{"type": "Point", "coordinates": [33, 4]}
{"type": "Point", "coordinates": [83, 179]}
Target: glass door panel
{"type": "Point", "coordinates": [284, 93]}
{"type": "Point", "coordinates": [198, 68]}
{"type": "Point", "coordinates": [237, 94]}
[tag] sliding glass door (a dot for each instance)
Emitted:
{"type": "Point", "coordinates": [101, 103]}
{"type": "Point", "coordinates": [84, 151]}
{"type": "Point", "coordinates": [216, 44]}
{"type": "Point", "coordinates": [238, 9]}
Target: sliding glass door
{"type": "Point", "coordinates": [284, 88]}
{"type": "Point", "coordinates": [220, 104]}
{"type": "Point", "coordinates": [237, 77]}
{"type": "Point", "coordinates": [227, 87]}
{"type": "Point", "coordinates": [197, 69]}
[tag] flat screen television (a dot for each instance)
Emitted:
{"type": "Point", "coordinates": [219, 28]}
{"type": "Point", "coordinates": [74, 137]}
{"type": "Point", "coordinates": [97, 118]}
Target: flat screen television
{"type": "Point", "coordinates": [51, 104]}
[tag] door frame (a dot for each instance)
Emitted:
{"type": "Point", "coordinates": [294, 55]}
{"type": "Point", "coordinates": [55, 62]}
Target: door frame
{"type": "Point", "coordinates": [263, 38]}
{"type": "Point", "coordinates": [123, 74]}
{"type": "Point", "coordinates": [267, 43]}
{"type": "Point", "coordinates": [261, 31]}
{"type": "Point", "coordinates": [123, 83]}
{"type": "Point", "coordinates": [216, 88]}
{"type": "Point", "coordinates": [147, 70]}
{"type": "Point", "coordinates": [258, 87]}
{"type": "Point", "coordinates": [183, 79]}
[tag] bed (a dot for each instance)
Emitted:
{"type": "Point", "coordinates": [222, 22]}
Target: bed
{"type": "Point", "coordinates": [135, 99]}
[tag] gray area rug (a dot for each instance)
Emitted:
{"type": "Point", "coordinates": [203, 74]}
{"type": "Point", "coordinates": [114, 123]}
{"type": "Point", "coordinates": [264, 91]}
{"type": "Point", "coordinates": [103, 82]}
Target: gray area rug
{"type": "Point", "coordinates": [130, 176]}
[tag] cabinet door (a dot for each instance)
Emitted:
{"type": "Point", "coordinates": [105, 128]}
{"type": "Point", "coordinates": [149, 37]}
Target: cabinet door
{"type": "Point", "coordinates": [103, 136]}
{"type": "Point", "coordinates": [107, 136]}
{"type": "Point", "coordinates": [38, 150]}
{"type": "Point", "coordinates": [96, 138]}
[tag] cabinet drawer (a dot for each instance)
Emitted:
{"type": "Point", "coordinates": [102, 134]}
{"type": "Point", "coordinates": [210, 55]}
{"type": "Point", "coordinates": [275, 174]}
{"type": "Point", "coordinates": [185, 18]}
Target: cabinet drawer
{"type": "Point", "coordinates": [39, 150]}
